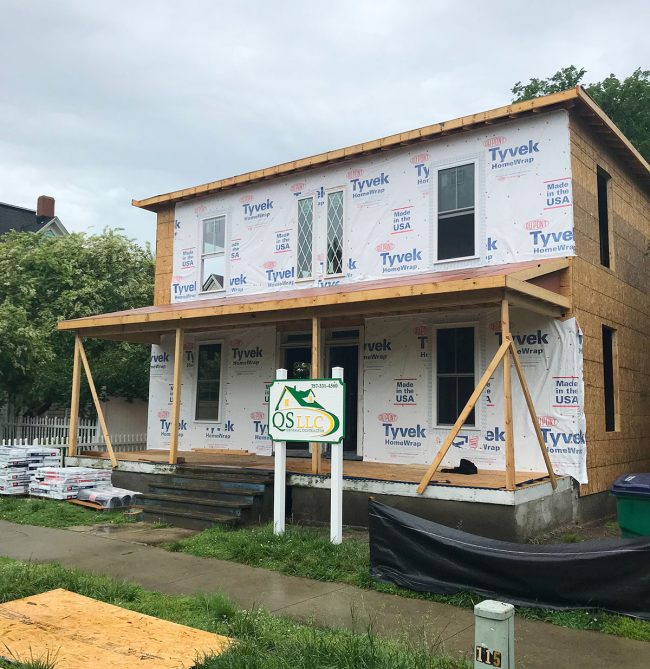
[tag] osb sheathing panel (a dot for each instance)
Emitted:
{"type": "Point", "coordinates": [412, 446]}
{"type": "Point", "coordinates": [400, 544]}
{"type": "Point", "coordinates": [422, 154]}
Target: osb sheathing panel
{"type": "Point", "coordinates": [618, 298]}
{"type": "Point", "coordinates": [75, 631]}
{"type": "Point", "coordinates": [164, 255]}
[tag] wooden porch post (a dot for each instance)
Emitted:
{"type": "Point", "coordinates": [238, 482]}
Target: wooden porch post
{"type": "Point", "coordinates": [315, 373]}
{"type": "Point", "coordinates": [73, 433]}
{"type": "Point", "coordinates": [176, 396]}
{"type": "Point", "coordinates": [507, 397]}
{"type": "Point", "coordinates": [98, 406]}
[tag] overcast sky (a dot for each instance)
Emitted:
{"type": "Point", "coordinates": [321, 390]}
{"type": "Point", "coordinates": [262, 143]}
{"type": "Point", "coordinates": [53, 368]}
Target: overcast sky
{"type": "Point", "coordinates": [104, 101]}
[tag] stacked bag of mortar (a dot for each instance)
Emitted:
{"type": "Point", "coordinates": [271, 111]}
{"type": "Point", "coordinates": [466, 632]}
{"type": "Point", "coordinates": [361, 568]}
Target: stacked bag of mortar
{"type": "Point", "coordinates": [14, 470]}
{"type": "Point", "coordinates": [66, 482]}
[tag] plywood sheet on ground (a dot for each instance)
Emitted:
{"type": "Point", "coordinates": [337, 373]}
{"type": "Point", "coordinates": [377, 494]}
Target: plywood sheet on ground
{"type": "Point", "coordinates": [77, 631]}
{"type": "Point", "coordinates": [356, 469]}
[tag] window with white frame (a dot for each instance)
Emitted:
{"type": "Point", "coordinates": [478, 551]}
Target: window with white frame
{"type": "Point", "coordinates": [213, 260]}
{"type": "Point", "coordinates": [335, 232]}
{"type": "Point", "coordinates": [456, 216]}
{"type": "Point", "coordinates": [208, 382]}
{"type": "Point", "coordinates": [455, 373]}
{"type": "Point", "coordinates": [305, 237]}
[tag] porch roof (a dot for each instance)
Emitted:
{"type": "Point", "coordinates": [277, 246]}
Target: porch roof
{"type": "Point", "coordinates": [534, 285]}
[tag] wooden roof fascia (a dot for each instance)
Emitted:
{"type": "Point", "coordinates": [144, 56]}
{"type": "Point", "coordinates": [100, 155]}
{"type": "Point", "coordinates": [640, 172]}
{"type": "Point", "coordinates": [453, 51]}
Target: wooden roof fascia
{"type": "Point", "coordinates": [513, 110]}
{"type": "Point", "coordinates": [312, 302]}
{"type": "Point", "coordinates": [542, 268]}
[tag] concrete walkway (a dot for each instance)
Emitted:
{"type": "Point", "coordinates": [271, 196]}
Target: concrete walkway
{"type": "Point", "coordinates": [538, 645]}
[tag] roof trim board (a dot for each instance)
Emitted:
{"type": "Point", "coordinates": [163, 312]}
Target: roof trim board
{"type": "Point", "coordinates": [565, 99]}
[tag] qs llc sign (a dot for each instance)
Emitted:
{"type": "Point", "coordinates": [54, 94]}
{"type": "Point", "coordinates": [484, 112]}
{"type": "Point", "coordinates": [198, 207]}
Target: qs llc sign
{"type": "Point", "coordinates": [307, 410]}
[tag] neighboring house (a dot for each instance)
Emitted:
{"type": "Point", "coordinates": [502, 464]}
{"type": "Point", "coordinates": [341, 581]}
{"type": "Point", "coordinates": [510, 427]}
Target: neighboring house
{"type": "Point", "coordinates": [403, 260]}
{"type": "Point", "coordinates": [41, 220]}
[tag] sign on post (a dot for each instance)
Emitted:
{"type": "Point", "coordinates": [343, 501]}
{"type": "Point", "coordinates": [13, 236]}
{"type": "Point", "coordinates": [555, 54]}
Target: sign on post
{"type": "Point", "coordinates": [307, 410]}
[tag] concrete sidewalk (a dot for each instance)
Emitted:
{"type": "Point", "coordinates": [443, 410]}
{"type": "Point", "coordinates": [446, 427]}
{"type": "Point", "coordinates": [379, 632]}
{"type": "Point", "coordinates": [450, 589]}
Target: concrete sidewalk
{"type": "Point", "coordinates": [328, 604]}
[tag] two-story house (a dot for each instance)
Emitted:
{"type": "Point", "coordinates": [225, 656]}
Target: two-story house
{"type": "Point", "coordinates": [404, 260]}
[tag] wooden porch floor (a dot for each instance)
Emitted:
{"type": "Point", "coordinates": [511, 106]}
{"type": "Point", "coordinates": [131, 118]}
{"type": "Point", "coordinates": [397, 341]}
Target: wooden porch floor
{"type": "Point", "coordinates": [357, 469]}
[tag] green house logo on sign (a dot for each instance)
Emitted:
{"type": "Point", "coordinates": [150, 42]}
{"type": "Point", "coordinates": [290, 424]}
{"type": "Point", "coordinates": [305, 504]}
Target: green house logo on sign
{"type": "Point", "coordinates": [307, 410]}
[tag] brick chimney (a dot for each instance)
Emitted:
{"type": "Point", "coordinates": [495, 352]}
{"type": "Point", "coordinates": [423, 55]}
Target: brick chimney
{"type": "Point", "coordinates": [44, 209]}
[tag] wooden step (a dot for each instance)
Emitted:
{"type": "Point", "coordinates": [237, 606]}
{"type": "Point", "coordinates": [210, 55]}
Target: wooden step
{"type": "Point", "coordinates": [189, 519]}
{"type": "Point", "coordinates": [214, 492]}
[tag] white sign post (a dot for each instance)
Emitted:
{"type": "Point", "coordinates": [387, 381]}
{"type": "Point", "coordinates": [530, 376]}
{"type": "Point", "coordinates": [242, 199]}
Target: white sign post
{"type": "Point", "coordinates": [280, 475]}
{"type": "Point", "coordinates": [308, 410]}
{"type": "Point", "coordinates": [336, 479]}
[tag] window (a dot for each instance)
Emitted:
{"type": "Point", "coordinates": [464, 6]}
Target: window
{"type": "Point", "coordinates": [208, 382]}
{"type": "Point", "coordinates": [305, 237]}
{"type": "Point", "coordinates": [335, 232]}
{"type": "Point", "coordinates": [610, 372]}
{"type": "Point", "coordinates": [456, 212]}
{"type": "Point", "coordinates": [455, 373]}
{"type": "Point", "coordinates": [213, 261]}
{"type": "Point", "coordinates": [602, 179]}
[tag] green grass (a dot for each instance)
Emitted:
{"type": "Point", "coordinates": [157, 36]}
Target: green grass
{"type": "Point", "coordinates": [262, 641]}
{"type": "Point", "coordinates": [307, 552]}
{"type": "Point", "coordinates": [54, 513]}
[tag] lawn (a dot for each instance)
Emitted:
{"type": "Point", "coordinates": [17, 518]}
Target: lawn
{"type": "Point", "coordinates": [263, 641]}
{"type": "Point", "coordinates": [307, 552]}
{"type": "Point", "coordinates": [54, 513]}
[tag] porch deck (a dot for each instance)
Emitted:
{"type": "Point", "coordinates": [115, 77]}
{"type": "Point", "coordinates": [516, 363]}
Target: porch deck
{"type": "Point", "coordinates": [352, 469]}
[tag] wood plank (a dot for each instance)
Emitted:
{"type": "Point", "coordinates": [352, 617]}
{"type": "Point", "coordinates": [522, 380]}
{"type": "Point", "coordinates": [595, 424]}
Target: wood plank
{"type": "Point", "coordinates": [463, 416]}
{"type": "Point", "coordinates": [78, 631]}
{"type": "Point", "coordinates": [73, 432]}
{"type": "Point", "coordinates": [98, 406]}
{"type": "Point", "coordinates": [316, 353]}
{"type": "Point", "coordinates": [176, 395]}
{"type": "Point", "coordinates": [507, 397]}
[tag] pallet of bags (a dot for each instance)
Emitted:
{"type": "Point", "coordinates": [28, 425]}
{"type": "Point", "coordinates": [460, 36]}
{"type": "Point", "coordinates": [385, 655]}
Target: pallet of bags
{"type": "Point", "coordinates": [66, 482]}
{"type": "Point", "coordinates": [14, 471]}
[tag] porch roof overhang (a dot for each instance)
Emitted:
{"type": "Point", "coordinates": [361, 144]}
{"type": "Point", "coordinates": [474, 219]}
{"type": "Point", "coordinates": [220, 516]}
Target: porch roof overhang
{"type": "Point", "coordinates": [534, 285]}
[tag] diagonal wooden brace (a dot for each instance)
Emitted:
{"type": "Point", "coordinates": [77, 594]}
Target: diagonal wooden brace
{"type": "Point", "coordinates": [464, 414]}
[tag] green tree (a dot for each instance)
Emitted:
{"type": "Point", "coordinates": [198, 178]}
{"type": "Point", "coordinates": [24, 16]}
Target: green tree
{"type": "Point", "coordinates": [47, 279]}
{"type": "Point", "coordinates": [625, 101]}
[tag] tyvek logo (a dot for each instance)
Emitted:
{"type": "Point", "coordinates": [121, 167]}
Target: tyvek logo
{"type": "Point", "coordinates": [372, 186]}
{"type": "Point", "coordinates": [182, 291]}
{"type": "Point", "coordinates": [257, 210]}
{"type": "Point", "coordinates": [528, 343]}
{"type": "Point", "coordinates": [237, 283]}
{"type": "Point", "coordinates": [565, 443]}
{"type": "Point", "coordinates": [400, 262]}
{"type": "Point", "coordinates": [223, 431]}
{"type": "Point", "coordinates": [552, 242]}
{"type": "Point", "coordinates": [166, 425]}
{"type": "Point", "coordinates": [514, 155]}
{"type": "Point", "coordinates": [247, 356]}
{"type": "Point", "coordinates": [422, 170]}
{"type": "Point", "coordinates": [283, 277]}
{"type": "Point", "coordinates": [411, 436]}
{"type": "Point", "coordinates": [159, 358]}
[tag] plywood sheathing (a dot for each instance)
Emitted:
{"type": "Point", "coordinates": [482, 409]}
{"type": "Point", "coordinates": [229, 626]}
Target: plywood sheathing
{"type": "Point", "coordinates": [76, 631]}
{"type": "Point", "coordinates": [616, 297]}
{"type": "Point", "coordinates": [164, 255]}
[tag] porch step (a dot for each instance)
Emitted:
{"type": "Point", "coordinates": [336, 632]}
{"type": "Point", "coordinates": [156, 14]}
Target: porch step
{"type": "Point", "coordinates": [190, 519]}
{"type": "Point", "coordinates": [201, 496]}
{"type": "Point", "coordinates": [214, 490]}
{"type": "Point", "coordinates": [193, 504]}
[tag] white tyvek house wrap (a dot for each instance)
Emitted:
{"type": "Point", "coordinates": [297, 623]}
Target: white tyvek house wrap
{"type": "Point", "coordinates": [523, 202]}
{"type": "Point", "coordinates": [400, 394]}
{"type": "Point", "coordinates": [248, 365]}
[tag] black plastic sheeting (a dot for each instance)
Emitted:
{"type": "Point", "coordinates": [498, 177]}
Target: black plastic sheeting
{"type": "Point", "coordinates": [612, 575]}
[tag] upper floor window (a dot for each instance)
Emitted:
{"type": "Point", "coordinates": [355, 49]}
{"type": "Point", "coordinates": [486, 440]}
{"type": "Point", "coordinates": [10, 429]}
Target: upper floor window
{"type": "Point", "coordinates": [603, 180]}
{"type": "Point", "coordinates": [455, 373]}
{"type": "Point", "coordinates": [456, 229]}
{"type": "Point", "coordinates": [335, 232]}
{"type": "Point", "coordinates": [213, 261]}
{"type": "Point", "coordinates": [610, 378]}
{"type": "Point", "coordinates": [305, 237]}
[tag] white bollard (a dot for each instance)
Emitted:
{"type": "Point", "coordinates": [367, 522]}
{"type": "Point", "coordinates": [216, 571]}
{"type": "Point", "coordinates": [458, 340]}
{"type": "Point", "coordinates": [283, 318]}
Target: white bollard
{"type": "Point", "coordinates": [280, 476]}
{"type": "Point", "coordinates": [336, 479]}
{"type": "Point", "coordinates": [494, 635]}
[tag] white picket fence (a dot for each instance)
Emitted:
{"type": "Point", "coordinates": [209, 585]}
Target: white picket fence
{"type": "Point", "coordinates": [54, 431]}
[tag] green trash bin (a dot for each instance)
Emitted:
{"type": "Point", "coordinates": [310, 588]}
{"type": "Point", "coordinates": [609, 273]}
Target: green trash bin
{"type": "Point", "coordinates": [632, 492]}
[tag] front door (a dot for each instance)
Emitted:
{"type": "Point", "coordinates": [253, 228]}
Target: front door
{"type": "Point", "coordinates": [347, 356]}
{"type": "Point", "coordinates": [297, 362]}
